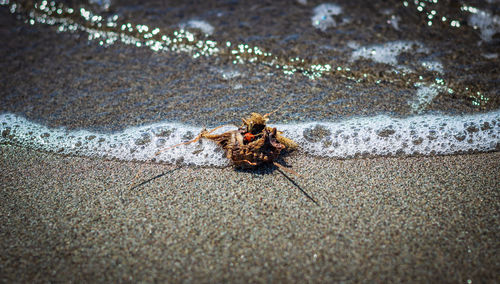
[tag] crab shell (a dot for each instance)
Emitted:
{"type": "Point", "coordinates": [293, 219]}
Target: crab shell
{"type": "Point", "coordinates": [265, 148]}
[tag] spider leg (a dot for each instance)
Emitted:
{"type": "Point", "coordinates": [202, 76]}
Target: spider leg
{"type": "Point", "coordinates": [250, 163]}
{"type": "Point", "coordinates": [203, 133]}
{"type": "Point", "coordinates": [212, 130]}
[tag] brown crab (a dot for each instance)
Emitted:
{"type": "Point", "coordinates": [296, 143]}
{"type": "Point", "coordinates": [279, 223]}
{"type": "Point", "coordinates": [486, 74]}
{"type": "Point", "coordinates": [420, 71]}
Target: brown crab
{"type": "Point", "coordinates": [253, 143]}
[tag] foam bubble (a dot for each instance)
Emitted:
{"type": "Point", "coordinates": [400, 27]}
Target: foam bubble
{"type": "Point", "coordinates": [227, 73]}
{"type": "Point", "coordinates": [394, 21]}
{"type": "Point", "coordinates": [203, 26]}
{"type": "Point", "coordinates": [322, 18]}
{"type": "Point", "coordinates": [373, 136]}
{"type": "Point", "coordinates": [387, 53]}
{"type": "Point", "coordinates": [425, 95]}
{"type": "Point", "coordinates": [490, 55]}
{"type": "Point", "coordinates": [433, 66]}
{"type": "Point", "coordinates": [488, 23]}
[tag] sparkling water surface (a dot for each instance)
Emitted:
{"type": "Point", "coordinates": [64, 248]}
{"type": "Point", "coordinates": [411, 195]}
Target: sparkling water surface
{"type": "Point", "coordinates": [108, 68]}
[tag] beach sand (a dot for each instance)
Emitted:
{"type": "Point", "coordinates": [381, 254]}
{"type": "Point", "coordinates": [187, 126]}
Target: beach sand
{"type": "Point", "coordinates": [418, 219]}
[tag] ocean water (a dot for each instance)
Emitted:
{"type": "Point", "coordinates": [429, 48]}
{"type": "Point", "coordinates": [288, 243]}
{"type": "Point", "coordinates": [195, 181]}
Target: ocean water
{"type": "Point", "coordinates": [125, 79]}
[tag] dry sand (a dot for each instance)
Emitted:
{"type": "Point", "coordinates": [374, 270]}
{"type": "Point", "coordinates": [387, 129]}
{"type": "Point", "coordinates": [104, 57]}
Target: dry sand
{"type": "Point", "coordinates": [385, 219]}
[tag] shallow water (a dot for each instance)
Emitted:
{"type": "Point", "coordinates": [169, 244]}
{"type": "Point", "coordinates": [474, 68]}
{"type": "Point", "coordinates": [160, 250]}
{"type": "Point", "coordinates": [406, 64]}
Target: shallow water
{"type": "Point", "coordinates": [425, 71]}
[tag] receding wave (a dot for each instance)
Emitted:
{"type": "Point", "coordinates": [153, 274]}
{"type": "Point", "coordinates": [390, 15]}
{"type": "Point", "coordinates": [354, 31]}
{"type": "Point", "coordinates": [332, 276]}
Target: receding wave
{"type": "Point", "coordinates": [366, 136]}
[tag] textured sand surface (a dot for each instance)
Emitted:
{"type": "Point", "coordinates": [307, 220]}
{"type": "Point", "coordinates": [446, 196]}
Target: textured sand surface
{"type": "Point", "coordinates": [402, 219]}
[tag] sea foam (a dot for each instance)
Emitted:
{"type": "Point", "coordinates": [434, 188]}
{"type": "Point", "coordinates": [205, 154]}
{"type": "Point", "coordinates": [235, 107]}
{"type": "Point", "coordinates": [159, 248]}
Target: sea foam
{"type": "Point", "coordinates": [488, 24]}
{"type": "Point", "coordinates": [388, 52]}
{"type": "Point", "coordinates": [203, 26]}
{"type": "Point", "coordinates": [365, 136]}
{"type": "Point", "coordinates": [323, 16]}
{"type": "Point", "coordinates": [389, 136]}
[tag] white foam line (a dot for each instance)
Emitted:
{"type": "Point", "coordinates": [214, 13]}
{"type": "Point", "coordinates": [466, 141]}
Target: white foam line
{"type": "Point", "coordinates": [388, 136]}
{"type": "Point", "coordinates": [374, 136]}
{"type": "Point", "coordinates": [134, 143]}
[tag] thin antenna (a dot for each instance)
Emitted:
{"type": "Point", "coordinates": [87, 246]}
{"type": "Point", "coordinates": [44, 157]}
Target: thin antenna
{"type": "Point", "coordinates": [287, 169]}
{"type": "Point", "coordinates": [275, 110]}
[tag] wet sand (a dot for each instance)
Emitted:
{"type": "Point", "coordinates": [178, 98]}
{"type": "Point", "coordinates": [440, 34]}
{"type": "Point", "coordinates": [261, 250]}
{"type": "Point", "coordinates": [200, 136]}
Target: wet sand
{"type": "Point", "coordinates": [418, 219]}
